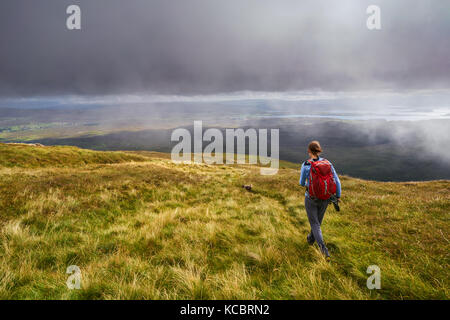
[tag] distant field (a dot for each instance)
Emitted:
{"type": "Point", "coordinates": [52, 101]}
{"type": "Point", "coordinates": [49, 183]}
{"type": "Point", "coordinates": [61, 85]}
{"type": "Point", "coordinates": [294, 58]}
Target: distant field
{"type": "Point", "coordinates": [374, 150]}
{"type": "Point", "coordinates": [142, 227]}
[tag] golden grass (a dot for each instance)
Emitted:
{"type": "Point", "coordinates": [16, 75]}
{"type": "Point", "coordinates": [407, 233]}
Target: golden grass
{"type": "Point", "coordinates": [154, 229]}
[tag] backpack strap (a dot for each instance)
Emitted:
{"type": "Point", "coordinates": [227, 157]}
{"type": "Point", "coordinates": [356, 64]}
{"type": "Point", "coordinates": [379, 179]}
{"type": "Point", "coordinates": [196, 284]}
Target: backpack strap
{"type": "Point", "coordinates": [312, 167]}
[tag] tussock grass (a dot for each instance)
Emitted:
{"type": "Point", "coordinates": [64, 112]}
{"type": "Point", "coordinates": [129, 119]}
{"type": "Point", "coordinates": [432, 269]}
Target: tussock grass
{"type": "Point", "coordinates": [154, 229]}
{"type": "Point", "coordinates": [30, 156]}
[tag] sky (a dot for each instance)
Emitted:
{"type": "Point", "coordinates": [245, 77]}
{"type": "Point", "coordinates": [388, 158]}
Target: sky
{"type": "Point", "coordinates": [211, 47]}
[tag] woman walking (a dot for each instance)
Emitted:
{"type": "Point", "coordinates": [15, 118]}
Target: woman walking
{"type": "Point", "coordinates": [321, 182]}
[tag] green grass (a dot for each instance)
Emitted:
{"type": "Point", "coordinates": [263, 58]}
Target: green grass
{"type": "Point", "coordinates": [147, 228]}
{"type": "Point", "coordinates": [26, 156]}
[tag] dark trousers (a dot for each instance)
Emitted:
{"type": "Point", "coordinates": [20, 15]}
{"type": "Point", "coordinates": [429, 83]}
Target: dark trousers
{"type": "Point", "coordinates": [315, 210]}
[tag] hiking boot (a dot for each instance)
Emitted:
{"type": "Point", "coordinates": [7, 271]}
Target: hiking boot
{"type": "Point", "coordinates": [310, 239]}
{"type": "Point", "coordinates": [325, 252]}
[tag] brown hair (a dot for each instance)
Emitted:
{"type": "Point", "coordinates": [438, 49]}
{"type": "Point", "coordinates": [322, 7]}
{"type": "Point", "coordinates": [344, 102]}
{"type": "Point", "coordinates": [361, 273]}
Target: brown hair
{"type": "Point", "coordinates": [314, 147]}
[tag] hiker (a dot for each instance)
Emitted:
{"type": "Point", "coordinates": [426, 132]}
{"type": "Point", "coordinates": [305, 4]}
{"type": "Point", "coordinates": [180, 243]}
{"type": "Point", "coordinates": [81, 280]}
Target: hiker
{"type": "Point", "coordinates": [321, 182]}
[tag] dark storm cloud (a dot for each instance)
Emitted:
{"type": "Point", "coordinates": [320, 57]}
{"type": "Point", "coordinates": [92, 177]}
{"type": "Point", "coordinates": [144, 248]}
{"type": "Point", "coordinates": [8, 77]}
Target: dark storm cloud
{"type": "Point", "coordinates": [210, 46]}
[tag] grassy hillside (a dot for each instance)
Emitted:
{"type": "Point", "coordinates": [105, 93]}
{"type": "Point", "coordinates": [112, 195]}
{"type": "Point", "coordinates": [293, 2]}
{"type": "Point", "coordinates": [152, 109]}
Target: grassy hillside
{"type": "Point", "coordinates": [154, 229]}
{"type": "Point", "coordinates": [38, 156]}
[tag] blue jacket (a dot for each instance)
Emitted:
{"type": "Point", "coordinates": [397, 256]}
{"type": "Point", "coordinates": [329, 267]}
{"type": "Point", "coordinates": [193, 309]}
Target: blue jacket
{"type": "Point", "coordinates": [304, 177]}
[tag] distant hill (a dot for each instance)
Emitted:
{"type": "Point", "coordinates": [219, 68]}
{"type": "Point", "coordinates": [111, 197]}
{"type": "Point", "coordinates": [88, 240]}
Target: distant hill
{"type": "Point", "coordinates": [38, 156]}
{"type": "Point", "coordinates": [141, 227]}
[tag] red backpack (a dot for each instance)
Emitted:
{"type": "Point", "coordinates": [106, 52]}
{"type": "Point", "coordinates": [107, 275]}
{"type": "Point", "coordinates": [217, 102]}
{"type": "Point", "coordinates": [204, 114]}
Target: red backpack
{"type": "Point", "coordinates": [321, 180]}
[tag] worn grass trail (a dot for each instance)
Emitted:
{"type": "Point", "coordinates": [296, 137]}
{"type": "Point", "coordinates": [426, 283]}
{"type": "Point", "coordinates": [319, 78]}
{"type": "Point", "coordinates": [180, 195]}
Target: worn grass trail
{"type": "Point", "coordinates": [143, 227]}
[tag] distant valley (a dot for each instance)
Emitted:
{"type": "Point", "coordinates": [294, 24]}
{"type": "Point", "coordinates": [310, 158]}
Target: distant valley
{"type": "Point", "coordinates": [371, 149]}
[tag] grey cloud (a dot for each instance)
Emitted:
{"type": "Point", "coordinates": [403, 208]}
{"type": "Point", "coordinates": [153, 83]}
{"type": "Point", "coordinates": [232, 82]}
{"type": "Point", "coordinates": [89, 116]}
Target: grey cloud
{"type": "Point", "coordinates": [212, 46]}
